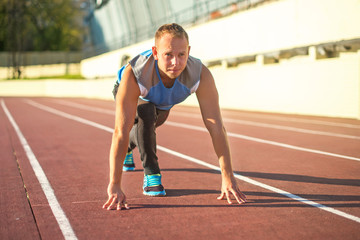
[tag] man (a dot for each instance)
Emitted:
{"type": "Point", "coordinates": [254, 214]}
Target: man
{"type": "Point", "coordinates": [150, 85]}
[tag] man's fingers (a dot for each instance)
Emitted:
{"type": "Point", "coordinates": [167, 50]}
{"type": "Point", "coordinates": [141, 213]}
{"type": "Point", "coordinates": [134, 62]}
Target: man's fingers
{"type": "Point", "coordinates": [239, 196]}
{"type": "Point", "coordinates": [221, 197]}
{"type": "Point", "coordinates": [123, 205]}
{"type": "Point", "coordinates": [119, 206]}
{"type": "Point", "coordinates": [112, 206]}
{"type": "Point", "coordinates": [116, 198]}
{"type": "Point", "coordinates": [108, 202]}
{"type": "Point", "coordinates": [228, 197]}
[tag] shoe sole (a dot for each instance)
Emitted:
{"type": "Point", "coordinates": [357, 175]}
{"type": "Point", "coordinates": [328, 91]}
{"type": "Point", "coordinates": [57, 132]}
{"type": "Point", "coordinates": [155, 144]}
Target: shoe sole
{"type": "Point", "coordinates": [155, 194]}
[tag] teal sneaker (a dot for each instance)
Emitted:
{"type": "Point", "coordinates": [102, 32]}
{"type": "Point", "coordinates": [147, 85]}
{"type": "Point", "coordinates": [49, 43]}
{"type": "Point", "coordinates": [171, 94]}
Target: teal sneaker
{"type": "Point", "coordinates": [152, 186]}
{"type": "Point", "coordinates": [129, 164]}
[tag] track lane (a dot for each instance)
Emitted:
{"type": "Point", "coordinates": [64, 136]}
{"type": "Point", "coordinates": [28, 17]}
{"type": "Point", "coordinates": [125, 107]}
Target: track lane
{"type": "Point", "coordinates": [297, 123]}
{"type": "Point", "coordinates": [302, 173]}
{"type": "Point", "coordinates": [317, 143]}
{"type": "Point", "coordinates": [151, 206]}
{"type": "Point", "coordinates": [349, 180]}
{"type": "Point", "coordinates": [15, 209]}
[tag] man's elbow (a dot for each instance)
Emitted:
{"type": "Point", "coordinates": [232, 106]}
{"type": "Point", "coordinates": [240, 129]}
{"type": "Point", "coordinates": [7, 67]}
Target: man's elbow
{"type": "Point", "coordinates": [215, 129]}
{"type": "Point", "coordinates": [119, 134]}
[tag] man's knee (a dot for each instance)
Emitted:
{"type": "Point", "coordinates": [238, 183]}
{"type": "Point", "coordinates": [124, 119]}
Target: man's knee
{"type": "Point", "coordinates": [147, 112]}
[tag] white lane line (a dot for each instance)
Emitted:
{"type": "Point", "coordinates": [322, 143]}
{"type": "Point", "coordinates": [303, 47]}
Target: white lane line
{"type": "Point", "coordinates": [284, 145]}
{"type": "Point", "coordinates": [85, 107]}
{"type": "Point", "coordinates": [58, 212]}
{"type": "Point", "coordinates": [274, 126]}
{"type": "Point", "coordinates": [230, 120]}
{"type": "Point", "coordinates": [300, 120]}
{"type": "Point", "coordinates": [259, 116]}
{"type": "Point", "coordinates": [69, 116]}
{"type": "Point", "coordinates": [183, 125]}
{"type": "Point", "coordinates": [265, 186]}
{"type": "Point", "coordinates": [197, 161]}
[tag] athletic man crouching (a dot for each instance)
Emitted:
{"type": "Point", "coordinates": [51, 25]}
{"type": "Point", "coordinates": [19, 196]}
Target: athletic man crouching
{"type": "Point", "coordinates": [147, 88]}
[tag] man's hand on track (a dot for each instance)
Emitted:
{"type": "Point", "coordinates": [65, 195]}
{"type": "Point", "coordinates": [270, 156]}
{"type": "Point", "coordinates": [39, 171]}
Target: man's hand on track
{"type": "Point", "coordinates": [230, 186]}
{"type": "Point", "coordinates": [117, 199]}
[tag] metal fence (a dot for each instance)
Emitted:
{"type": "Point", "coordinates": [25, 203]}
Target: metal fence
{"type": "Point", "coordinates": [37, 64]}
{"type": "Point", "coordinates": [154, 13]}
{"type": "Point", "coordinates": [40, 58]}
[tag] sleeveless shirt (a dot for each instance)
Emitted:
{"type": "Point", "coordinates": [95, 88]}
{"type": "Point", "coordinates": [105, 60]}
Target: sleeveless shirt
{"type": "Point", "coordinates": [152, 89]}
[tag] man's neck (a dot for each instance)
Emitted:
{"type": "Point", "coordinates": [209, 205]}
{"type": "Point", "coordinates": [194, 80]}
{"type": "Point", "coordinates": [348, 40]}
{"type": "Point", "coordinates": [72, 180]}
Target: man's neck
{"type": "Point", "coordinates": [168, 82]}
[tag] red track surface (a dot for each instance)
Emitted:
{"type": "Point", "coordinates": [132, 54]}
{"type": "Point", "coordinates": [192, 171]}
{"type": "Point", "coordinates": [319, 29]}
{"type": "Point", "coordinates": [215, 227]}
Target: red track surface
{"type": "Point", "coordinates": [74, 157]}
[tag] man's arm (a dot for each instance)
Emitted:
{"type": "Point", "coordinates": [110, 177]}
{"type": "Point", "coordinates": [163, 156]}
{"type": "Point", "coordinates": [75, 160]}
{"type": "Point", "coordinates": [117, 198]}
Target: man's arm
{"type": "Point", "coordinates": [126, 103]}
{"type": "Point", "coordinates": [208, 98]}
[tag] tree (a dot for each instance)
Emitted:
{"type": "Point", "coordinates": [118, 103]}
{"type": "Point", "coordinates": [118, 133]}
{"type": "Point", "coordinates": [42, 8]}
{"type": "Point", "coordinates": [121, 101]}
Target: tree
{"type": "Point", "coordinates": [39, 25]}
{"type": "Point", "coordinates": [56, 24]}
{"type": "Point", "coordinates": [11, 33]}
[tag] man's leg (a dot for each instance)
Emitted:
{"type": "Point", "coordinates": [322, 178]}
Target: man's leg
{"type": "Point", "coordinates": [143, 134]}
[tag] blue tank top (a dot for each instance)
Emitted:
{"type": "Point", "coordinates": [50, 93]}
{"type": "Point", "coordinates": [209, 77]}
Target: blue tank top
{"type": "Point", "coordinates": [152, 89]}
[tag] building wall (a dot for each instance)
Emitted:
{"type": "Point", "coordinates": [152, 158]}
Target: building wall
{"type": "Point", "coordinates": [304, 83]}
{"type": "Point", "coordinates": [300, 85]}
{"type": "Point", "coordinates": [275, 26]}
{"type": "Point", "coordinates": [271, 27]}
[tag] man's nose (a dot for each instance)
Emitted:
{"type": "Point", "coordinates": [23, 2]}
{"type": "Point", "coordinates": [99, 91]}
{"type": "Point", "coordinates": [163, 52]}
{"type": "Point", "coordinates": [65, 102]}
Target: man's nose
{"type": "Point", "coordinates": [174, 61]}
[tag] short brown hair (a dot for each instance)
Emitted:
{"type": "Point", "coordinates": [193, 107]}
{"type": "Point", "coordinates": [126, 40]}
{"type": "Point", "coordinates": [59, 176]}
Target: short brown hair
{"type": "Point", "coordinates": [172, 28]}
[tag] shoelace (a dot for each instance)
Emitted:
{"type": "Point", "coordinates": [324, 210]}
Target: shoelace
{"type": "Point", "coordinates": [152, 180]}
{"type": "Point", "coordinates": [129, 158]}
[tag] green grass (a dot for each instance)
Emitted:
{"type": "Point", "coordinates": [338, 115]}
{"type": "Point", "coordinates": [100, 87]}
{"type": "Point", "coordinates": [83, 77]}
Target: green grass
{"type": "Point", "coordinates": [60, 77]}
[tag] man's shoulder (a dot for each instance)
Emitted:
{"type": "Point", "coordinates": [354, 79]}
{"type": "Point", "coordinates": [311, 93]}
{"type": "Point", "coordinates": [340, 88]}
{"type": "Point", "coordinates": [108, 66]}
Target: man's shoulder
{"type": "Point", "coordinates": [194, 63]}
{"type": "Point", "coordinates": [142, 63]}
{"type": "Point", "coordinates": [146, 53]}
{"type": "Point", "coordinates": [190, 77]}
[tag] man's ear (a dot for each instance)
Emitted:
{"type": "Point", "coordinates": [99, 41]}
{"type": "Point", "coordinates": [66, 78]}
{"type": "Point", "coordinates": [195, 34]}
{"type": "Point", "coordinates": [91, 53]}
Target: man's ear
{"type": "Point", "coordinates": [154, 51]}
{"type": "Point", "coordinates": [189, 50]}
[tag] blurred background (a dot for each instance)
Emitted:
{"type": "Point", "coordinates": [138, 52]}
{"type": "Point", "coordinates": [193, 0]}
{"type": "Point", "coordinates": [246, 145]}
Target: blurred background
{"type": "Point", "coordinates": [285, 56]}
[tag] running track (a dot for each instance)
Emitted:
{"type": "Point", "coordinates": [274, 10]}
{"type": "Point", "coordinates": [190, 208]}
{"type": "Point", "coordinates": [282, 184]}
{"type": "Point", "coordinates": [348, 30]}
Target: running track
{"type": "Point", "coordinates": [301, 176]}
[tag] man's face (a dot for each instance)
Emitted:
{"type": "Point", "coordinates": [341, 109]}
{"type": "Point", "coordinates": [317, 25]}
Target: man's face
{"type": "Point", "coordinates": [172, 54]}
